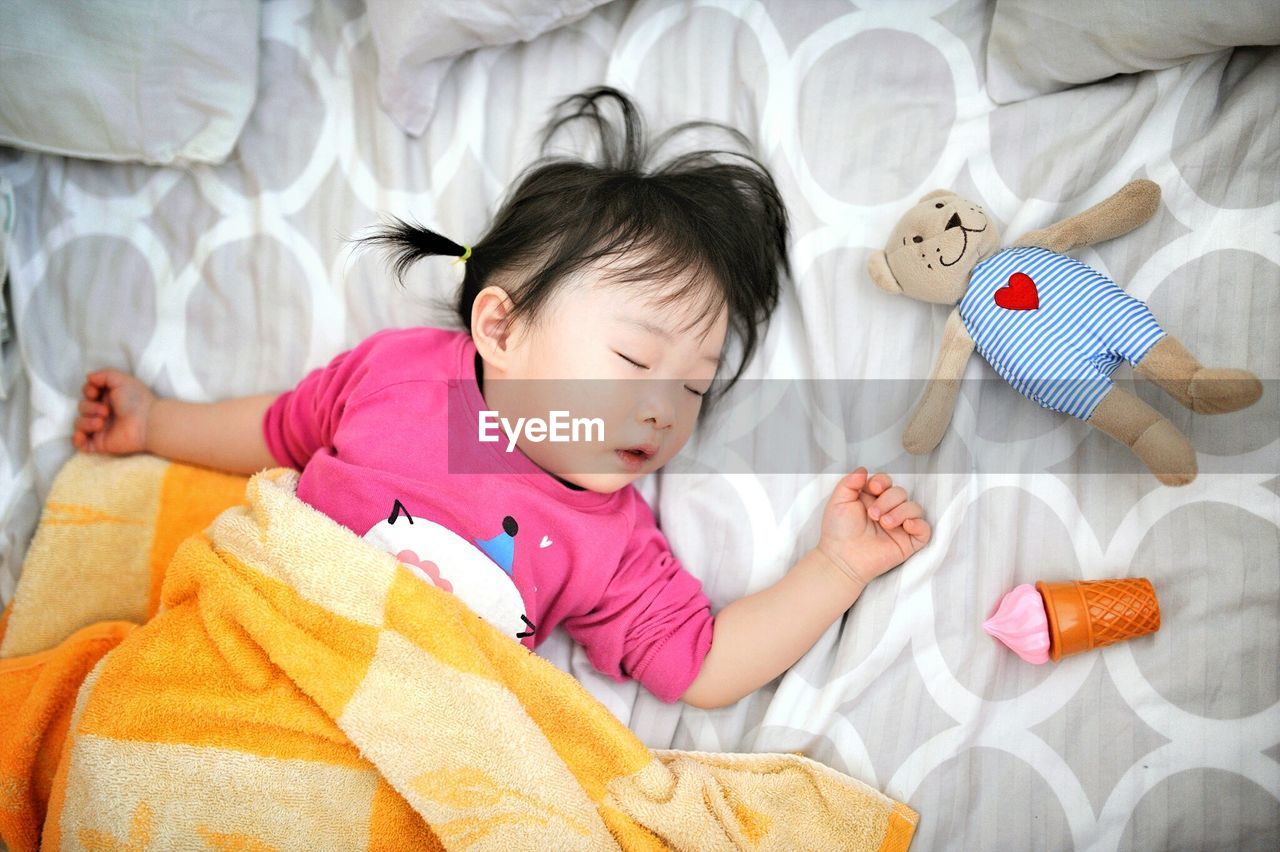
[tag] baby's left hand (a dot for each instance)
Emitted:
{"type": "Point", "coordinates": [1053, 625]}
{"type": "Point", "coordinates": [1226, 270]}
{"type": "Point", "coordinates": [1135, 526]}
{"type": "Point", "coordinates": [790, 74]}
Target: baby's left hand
{"type": "Point", "coordinates": [869, 527]}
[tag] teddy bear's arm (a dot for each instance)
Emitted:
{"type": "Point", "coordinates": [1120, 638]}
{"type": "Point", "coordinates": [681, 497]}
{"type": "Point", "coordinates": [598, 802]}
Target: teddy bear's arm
{"type": "Point", "coordinates": [933, 414]}
{"type": "Point", "coordinates": [1135, 203]}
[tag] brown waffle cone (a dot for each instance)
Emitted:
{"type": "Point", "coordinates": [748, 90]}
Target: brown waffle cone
{"type": "Point", "coordinates": [1088, 614]}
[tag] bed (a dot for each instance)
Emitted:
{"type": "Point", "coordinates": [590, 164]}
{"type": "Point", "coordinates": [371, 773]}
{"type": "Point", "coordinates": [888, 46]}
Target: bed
{"type": "Point", "coordinates": [216, 281]}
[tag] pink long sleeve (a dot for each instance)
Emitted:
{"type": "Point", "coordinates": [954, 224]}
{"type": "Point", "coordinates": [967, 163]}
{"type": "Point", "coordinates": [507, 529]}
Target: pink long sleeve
{"type": "Point", "coordinates": [653, 623]}
{"type": "Point", "coordinates": [303, 420]}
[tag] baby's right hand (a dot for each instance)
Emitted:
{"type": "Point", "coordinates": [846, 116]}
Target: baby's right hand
{"type": "Point", "coordinates": [113, 414]}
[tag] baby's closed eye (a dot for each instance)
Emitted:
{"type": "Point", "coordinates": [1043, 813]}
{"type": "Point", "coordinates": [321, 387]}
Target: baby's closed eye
{"type": "Point", "coordinates": [631, 361]}
{"type": "Point", "coordinates": [636, 363]}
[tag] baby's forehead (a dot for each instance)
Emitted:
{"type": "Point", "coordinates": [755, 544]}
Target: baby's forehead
{"type": "Point", "coordinates": [686, 308]}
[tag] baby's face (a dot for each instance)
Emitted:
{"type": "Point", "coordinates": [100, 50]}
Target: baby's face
{"type": "Point", "coordinates": [602, 350]}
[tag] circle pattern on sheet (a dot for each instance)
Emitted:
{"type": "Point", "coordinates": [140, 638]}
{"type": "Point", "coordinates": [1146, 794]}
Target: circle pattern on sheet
{"type": "Point", "coordinates": [120, 181]}
{"type": "Point", "coordinates": [1225, 283]}
{"type": "Point", "coordinates": [373, 145]}
{"type": "Point", "coordinates": [1206, 620]}
{"type": "Point", "coordinates": [1176, 814]}
{"type": "Point", "coordinates": [1083, 732]}
{"type": "Point", "coordinates": [899, 139]}
{"type": "Point", "coordinates": [1213, 119]}
{"type": "Point", "coordinates": [243, 286]}
{"type": "Point", "coordinates": [728, 86]}
{"type": "Point", "coordinates": [858, 109]}
{"type": "Point", "coordinates": [1028, 138]}
{"type": "Point", "coordinates": [990, 822]}
{"type": "Point", "coordinates": [180, 212]}
{"type": "Point", "coordinates": [880, 708]}
{"type": "Point", "coordinates": [280, 138]}
{"type": "Point", "coordinates": [73, 316]}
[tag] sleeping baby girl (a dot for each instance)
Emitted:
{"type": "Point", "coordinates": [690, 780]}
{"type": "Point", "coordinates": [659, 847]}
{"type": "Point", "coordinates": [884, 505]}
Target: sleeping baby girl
{"type": "Point", "coordinates": [602, 291]}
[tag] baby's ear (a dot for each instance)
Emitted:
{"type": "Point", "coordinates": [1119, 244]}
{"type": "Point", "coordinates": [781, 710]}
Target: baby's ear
{"type": "Point", "coordinates": [881, 274]}
{"type": "Point", "coordinates": [937, 193]}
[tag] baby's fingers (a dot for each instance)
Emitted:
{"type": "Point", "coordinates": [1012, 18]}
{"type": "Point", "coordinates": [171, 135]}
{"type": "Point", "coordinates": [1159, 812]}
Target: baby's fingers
{"type": "Point", "coordinates": [96, 385]}
{"type": "Point", "coordinates": [82, 439]}
{"type": "Point", "coordinates": [100, 383]}
{"type": "Point", "coordinates": [900, 514]}
{"type": "Point", "coordinates": [88, 427]}
{"type": "Point", "coordinates": [89, 408]}
{"type": "Point", "coordinates": [888, 500]}
{"type": "Point", "coordinates": [919, 530]}
{"type": "Point", "coordinates": [879, 483]}
{"type": "Point", "coordinates": [853, 483]}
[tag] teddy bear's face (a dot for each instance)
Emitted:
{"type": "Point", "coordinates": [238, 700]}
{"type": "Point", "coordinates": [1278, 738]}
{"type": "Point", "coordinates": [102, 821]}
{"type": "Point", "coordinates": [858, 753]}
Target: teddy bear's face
{"type": "Point", "coordinates": [934, 248]}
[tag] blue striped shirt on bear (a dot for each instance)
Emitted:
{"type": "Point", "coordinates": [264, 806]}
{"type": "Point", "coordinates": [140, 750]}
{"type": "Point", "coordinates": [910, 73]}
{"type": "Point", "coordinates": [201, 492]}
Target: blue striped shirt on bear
{"type": "Point", "coordinates": [1053, 327]}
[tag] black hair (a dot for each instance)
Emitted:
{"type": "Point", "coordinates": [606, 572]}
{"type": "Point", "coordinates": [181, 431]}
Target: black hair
{"type": "Point", "coordinates": [721, 225]}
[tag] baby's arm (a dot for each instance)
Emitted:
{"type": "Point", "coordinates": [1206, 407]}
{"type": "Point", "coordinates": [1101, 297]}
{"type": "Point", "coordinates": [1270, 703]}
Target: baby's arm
{"type": "Point", "coordinates": [223, 435]}
{"type": "Point", "coordinates": [758, 637]}
{"type": "Point", "coordinates": [868, 528]}
{"type": "Point", "coordinates": [119, 415]}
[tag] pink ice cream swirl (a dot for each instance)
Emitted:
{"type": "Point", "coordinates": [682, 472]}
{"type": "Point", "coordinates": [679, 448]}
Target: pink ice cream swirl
{"type": "Point", "coordinates": [1020, 623]}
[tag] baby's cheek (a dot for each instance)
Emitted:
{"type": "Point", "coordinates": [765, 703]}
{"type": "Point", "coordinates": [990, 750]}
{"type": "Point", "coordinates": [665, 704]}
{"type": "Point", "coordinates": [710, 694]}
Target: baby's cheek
{"type": "Point", "coordinates": [676, 443]}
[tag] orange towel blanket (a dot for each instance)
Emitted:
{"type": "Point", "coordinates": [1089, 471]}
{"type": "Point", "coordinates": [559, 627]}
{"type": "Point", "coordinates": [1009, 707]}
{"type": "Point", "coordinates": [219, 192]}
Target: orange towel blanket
{"type": "Point", "coordinates": [203, 661]}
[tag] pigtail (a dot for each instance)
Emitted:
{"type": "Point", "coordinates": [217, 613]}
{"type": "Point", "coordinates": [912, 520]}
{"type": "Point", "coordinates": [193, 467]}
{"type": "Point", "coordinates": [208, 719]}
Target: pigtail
{"type": "Point", "coordinates": [409, 243]}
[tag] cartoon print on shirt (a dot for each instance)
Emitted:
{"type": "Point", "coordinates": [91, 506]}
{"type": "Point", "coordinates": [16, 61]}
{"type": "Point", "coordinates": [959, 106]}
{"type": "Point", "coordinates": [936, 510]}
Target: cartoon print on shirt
{"type": "Point", "coordinates": [479, 573]}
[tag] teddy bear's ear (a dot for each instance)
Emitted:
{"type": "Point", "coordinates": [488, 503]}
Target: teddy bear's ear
{"type": "Point", "coordinates": [937, 193]}
{"type": "Point", "coordinates": [881, 274]}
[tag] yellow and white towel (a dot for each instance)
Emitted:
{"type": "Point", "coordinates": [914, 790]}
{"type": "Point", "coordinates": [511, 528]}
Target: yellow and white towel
{"type": "Point", "coordinates": [269, 680]}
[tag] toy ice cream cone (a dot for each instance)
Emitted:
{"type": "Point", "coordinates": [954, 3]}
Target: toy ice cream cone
{"type": "Point", "coordinates": [1088, 614]}
{"type": "Point", "coordinates": [1053, 620]}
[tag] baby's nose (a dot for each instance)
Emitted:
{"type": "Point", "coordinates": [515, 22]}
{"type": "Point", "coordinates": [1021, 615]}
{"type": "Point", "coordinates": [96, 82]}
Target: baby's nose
{"type": "Point", "coordinates": [659, 415]}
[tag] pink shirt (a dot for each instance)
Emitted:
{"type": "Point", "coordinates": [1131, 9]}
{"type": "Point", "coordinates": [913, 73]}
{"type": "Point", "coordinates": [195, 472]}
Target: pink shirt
{"type": "Point", "coordinates": [386, 437]}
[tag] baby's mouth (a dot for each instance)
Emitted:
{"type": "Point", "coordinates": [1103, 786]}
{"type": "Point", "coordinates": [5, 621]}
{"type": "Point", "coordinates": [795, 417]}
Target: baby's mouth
{"type": "Point", "coordinates": [635, 457]}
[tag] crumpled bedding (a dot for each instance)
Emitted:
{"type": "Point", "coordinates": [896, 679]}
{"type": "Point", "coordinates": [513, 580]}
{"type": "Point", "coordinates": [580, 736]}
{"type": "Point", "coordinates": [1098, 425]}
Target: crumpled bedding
{"type": "Point", "coordinates": [1167, 742]}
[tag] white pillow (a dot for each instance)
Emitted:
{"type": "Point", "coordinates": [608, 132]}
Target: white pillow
{"type": "Point", "coordinates": [1042, 46]}
{"type": "Point", "coordinates": [417, 41]}
{"type": "Point", "coordinates": [158, 81]}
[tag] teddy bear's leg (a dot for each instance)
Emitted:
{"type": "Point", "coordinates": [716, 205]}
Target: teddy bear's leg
{"type": "Point", "coordinates": [1163, 449]}
{"type": "Point", "coordinates": [1206, 390]}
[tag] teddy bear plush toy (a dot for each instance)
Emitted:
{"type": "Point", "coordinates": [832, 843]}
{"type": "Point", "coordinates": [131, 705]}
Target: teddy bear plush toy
{"type": "Point", "coordinates": [1053, 327]}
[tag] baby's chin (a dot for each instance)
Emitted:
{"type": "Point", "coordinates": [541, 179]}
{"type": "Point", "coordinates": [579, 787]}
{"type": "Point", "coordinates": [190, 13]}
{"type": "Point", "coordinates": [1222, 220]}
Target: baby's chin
{"type": "Point", "coordinates": [595, 471]}
{"type": "Point", "coordinates": [601, 483]}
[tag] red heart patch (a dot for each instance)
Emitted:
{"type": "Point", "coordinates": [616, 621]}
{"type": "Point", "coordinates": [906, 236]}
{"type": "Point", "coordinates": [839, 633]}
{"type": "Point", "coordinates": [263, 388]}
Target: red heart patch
{"type": "Point", "coordinates": [1019, 294]}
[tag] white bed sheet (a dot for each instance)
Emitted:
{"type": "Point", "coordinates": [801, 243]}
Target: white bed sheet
{"type": "Point", "coordinates": [213, 282]}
